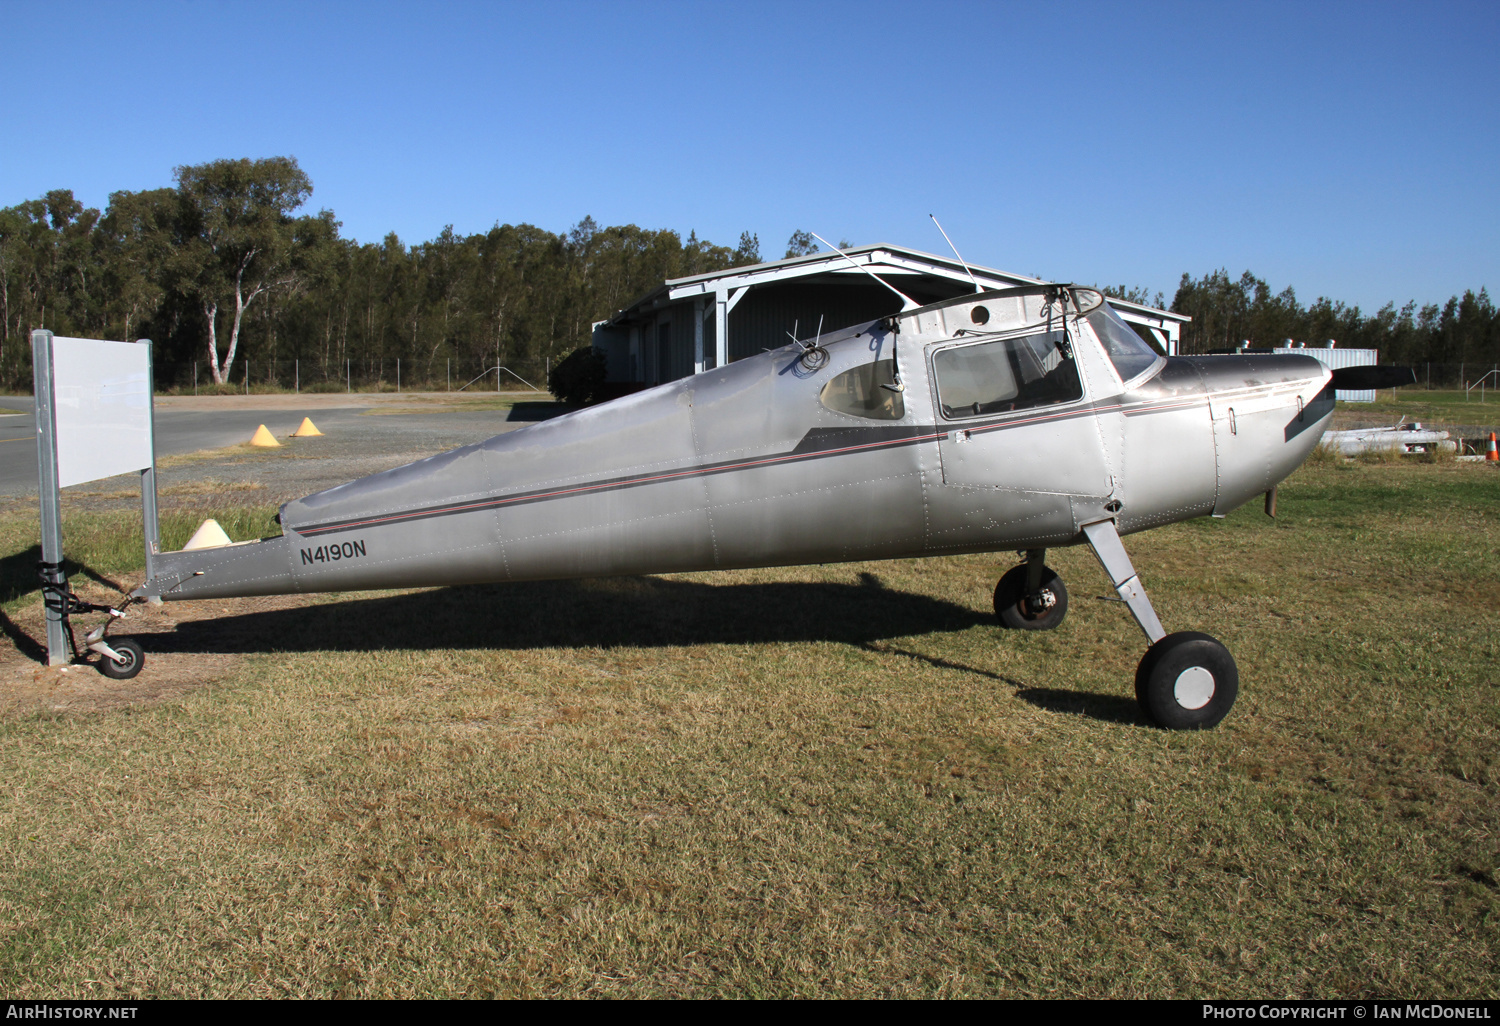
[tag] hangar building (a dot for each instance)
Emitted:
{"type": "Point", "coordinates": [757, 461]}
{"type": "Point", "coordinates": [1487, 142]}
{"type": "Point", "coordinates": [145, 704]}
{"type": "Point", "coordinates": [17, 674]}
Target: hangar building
{"type": "Point", "coordinates": [689, 325]}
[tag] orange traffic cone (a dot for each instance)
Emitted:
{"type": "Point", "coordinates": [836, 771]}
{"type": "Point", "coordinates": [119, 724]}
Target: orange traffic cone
{"type": "Point", "coordinates": [263, 437]}
{"type": "Point", "coordinates": [1492, 455]}
{"type": "Point", "coordinates": [208, 536]}
{"type": "Point", "coordinates": [306, 429]}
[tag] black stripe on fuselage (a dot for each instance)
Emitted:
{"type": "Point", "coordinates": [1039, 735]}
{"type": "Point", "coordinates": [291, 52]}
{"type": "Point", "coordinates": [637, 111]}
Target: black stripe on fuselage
{"type": "Point", "coordinates": [818, 443]}
{"type": "Point", "coordinates": [1320, 407]}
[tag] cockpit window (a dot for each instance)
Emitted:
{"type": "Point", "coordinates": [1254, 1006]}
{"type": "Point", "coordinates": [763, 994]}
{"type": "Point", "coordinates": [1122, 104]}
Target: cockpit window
{"type": "Point", "coordinates": [1007, 374]}
{"type": "Point", "coordinates": [1127, 351]}
{"type": "Point", "coordinates": [858, 392]}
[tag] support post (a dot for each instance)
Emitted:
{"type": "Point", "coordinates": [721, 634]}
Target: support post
{"type": "Point", "coordinates": [150, 522]}
{"type": "Point", "coordinates": [698, 335]}
{"type": "Point", "coordinates": [721, 328]}
{"type": "Point", "coordinates": [1106, 544]}
{"type": "Point", "coordinates": [51, 513]}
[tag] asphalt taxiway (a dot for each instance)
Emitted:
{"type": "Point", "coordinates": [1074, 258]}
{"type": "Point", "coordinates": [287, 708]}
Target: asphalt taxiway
{"type": "Point", "coordinates": [362, 434]}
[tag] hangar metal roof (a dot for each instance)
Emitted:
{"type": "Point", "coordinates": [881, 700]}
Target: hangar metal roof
{"type": "Point", "coordinates": [925, 277]}
{"type": "Point", "coordinates": [884, 259]}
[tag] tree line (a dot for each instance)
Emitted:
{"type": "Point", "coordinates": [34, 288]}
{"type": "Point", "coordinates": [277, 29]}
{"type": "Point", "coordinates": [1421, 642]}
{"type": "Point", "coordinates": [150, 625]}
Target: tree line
{"type": "Point", "coordinates": [225, 272]}
{"type": "Point", "coordinates": [221, 268]}
{"type": "Point", "coordinates": [1461, 334]}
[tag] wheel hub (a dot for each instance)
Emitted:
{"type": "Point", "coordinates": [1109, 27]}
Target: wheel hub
{"type": "Point", "coordinates": [1194, 687]}
{"type": "Point", "coordinates": [1039, 603]}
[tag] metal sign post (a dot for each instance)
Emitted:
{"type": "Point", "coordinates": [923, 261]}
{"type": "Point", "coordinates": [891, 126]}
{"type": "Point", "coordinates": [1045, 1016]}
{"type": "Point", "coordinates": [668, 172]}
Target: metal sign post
{"type": "Point", "coordinates": [94, 419]}
{"type": "Point", "coordinates": [150, 527]}
{"type": "Point", "coordinates": [46, 458]}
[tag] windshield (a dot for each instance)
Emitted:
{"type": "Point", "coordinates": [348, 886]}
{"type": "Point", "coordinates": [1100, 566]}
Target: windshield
{"type": "Point", "coordinates": [1127, 351]}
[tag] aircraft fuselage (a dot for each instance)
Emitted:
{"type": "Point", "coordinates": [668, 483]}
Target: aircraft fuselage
{"type": "Point", "coordinates": [974, 425]}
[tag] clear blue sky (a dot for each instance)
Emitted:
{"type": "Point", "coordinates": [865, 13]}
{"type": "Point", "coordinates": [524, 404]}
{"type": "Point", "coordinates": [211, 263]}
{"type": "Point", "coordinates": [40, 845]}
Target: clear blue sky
{"type": "Point", "coordinates": [1350, 150]}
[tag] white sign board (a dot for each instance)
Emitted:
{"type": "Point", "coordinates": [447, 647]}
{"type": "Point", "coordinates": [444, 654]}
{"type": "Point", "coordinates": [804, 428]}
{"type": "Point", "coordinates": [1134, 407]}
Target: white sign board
{"type": "Point", "coordinates": [102, 408]}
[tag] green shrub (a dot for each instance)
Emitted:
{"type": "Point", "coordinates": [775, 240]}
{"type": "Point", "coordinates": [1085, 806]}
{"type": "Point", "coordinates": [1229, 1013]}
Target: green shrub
{"type": "Point", "coordinates": [1382, 454]}
{"type": "Point", "coordinates": [578, 377]}
{"type": "Point", "coordinates": [1325, 455]}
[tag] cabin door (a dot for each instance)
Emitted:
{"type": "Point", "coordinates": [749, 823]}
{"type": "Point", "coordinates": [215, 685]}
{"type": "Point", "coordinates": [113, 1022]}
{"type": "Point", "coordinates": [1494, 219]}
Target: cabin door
{"type": "Point", "coordinates": [1012, 417]}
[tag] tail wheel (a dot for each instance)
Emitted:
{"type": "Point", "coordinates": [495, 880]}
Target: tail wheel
{"type": "Point", "coordinates": [1040, 611]}
{"type": "Point", "coordinates": [132, 658]}
{"type": "Point", "coordinates": [1187, 681]}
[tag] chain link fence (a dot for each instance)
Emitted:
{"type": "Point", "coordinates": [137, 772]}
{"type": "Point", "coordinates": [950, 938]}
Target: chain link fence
{"type": "Point", "coordinates": [253, 376]}
{"type": "Point", "coordinates": [1455, 376]}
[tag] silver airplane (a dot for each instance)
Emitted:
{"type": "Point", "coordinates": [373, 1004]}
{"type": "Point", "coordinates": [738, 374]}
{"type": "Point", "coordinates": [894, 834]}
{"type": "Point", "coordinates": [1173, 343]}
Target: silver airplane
{"type": "Point", "coordinates": [1021, 419]}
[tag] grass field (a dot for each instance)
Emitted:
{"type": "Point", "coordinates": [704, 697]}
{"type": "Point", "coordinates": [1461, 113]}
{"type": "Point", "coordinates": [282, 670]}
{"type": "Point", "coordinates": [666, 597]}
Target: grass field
{"type": "Point", "coordinates": [835, 780]}
{"type": "Point", "coordinates": [1417, 404]}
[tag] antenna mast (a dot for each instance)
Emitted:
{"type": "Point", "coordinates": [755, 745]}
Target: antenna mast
{"type": "Point", "coordinates": [977, 286]}
{"type": "Point", "coordinates": [911, 304]}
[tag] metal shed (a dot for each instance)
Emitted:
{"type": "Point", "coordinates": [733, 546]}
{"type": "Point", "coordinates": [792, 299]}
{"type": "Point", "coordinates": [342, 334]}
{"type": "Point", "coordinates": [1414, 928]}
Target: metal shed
{"type": "Point", "coordinates": [689, 325]}
{"type": "Point", "coordinates": [1335, 359]}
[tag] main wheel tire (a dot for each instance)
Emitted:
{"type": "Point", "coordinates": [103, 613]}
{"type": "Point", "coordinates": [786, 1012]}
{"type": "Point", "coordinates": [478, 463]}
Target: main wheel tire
{"type": "Point", "coordinates": [132, 658]}
{"type": "Point", "coordinates": [1187, 681]}
{"type": "Point", "coordinates": [1019, 611]}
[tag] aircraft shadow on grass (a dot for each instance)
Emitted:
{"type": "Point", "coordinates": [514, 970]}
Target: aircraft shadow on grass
{"type": "Point", "coordinates": [1108, 708]}
{"type": "Point", "coordinates": [640, 612]}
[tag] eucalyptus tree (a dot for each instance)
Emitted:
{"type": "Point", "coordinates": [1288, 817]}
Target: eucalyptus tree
{"type": "Point", "coordinates": [293, 315]}
{"type": "Point", "coordinates": [1467, 332]}
{"type": "Point", "coordinates": [237, 238]}
{"type": "Point", "coordinates": [49, 270]}
{"type": "Point", "coordinates": [137, 236]}
{"type": "Point", "coordinates": [801, 243]}
{"type": "Point", "coordinates": [13, 253]}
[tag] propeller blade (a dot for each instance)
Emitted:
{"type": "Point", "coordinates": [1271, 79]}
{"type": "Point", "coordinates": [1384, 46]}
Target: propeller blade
{"type": "Point", "coordinates": [1370, 376]}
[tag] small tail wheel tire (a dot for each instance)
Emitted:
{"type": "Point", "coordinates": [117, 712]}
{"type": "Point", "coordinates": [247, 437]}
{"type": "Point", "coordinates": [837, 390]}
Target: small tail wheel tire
{"type": "Point", "coordinates": [1187, 681]}
{"type": "Point", "coordinates": [1041, 611]}
{"type": "Point", "coordinates": [132, 658]}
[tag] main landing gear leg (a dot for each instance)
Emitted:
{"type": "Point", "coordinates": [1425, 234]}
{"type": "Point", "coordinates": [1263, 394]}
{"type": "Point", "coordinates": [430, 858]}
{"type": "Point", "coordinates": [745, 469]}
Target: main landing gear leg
{"type": "Point", "coordinates": [1186, 680]}
{"type": "Point", "coordinates": [1031, 597]}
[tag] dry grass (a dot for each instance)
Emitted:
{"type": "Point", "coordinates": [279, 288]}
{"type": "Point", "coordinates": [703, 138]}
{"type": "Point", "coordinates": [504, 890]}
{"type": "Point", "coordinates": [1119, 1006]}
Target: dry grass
{"type": "Point", "coordinates": [839, 781]}
{"type": "Point", "coordinates": [1377, 457]}
{"type": "Point", "coordinates": [468, 402]}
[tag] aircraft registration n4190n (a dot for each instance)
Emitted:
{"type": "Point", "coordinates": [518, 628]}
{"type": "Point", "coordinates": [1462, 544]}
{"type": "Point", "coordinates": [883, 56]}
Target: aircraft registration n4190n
{"type": "Point", "coordinates": [1017, 419]}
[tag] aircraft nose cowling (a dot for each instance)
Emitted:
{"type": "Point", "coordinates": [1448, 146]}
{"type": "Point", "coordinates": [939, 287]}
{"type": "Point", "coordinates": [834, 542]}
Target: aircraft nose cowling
{"type": "Point", "coordinates": [1268, 414]}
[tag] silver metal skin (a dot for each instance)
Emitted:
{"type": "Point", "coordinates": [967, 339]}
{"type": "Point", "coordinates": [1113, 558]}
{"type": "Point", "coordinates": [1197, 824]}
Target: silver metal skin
{"type": "Point", "coordinates": [1111, 555]}
{"type": "Point", "coordinates": [748, 465]}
